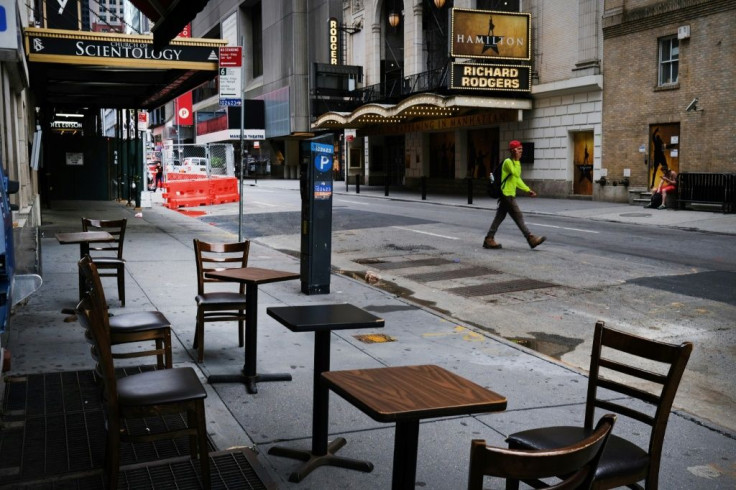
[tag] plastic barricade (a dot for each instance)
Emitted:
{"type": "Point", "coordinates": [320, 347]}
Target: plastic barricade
{"type": "Point", "coordinates": [223, 189]}
{"type": "Point", "coordinates": [184, 176]}
{"type": "Point", "coordinates": [187, 193]}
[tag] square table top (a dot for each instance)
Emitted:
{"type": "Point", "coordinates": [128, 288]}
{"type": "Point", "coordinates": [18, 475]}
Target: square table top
{"type": "Point", "coordinates": [251, 275]}
{"type": "Point", "coordinates": [84, 237]}
{"type": "Point", "coordinates": [396, 393]}
{"type": "Point", "coordinates": [315, 318]}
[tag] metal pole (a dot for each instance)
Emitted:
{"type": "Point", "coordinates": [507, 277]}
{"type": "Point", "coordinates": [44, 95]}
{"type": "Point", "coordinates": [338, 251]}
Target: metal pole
{"type": "Point", "coordinates": [242, 143]}
{"type": "Point", "coordinates": [347, 165]}
{"type": "Point", "coordinates": [470, 190]}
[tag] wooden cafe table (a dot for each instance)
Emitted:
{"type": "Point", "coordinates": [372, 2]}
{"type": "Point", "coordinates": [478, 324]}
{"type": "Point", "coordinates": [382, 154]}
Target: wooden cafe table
{"type": "Point", "coordinates": [405, 395]}
{"type": "Point", "coordinates": [252, 277]}
{"type": "Point", "coordinates": [83, 238]}
{"type": "Point", "coordinates": [322, 319]}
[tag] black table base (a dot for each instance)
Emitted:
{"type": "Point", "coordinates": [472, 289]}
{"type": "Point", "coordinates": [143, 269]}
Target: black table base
{"type": "Point", "coordinates": [248, 381]}
{"type": "Point", "coordinates": [314, 461]}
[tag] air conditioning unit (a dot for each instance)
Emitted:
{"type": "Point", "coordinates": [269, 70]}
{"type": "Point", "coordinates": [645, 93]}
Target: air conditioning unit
{"type": "Point", "coordinates": [683, 32]}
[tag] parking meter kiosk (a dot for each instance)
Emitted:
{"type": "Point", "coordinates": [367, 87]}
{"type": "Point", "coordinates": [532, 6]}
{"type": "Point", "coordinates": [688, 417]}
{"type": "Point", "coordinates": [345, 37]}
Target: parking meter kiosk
{"type": "Point", "coordinates": [315, 157]}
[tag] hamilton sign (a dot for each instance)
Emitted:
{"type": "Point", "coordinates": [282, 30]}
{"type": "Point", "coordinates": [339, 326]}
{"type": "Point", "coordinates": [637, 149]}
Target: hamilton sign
{"type": "Point", "coordinates": [490, 35]}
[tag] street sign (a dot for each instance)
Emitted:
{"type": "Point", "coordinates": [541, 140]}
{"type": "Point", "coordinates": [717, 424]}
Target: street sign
{"type": "Point", "coordinates": [231, 63]}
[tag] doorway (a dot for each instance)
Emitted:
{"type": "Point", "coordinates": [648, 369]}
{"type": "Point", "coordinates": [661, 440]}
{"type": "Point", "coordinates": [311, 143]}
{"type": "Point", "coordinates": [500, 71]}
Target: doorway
{"type": "Point", "coordinates": [582, 160]}
{"type": "Point", "coordinates": [664, 150]}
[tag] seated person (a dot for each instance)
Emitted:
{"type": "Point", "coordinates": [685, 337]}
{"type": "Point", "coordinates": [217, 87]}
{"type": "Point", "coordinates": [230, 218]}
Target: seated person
{"type": "Point", "coordinates": [667, 183]}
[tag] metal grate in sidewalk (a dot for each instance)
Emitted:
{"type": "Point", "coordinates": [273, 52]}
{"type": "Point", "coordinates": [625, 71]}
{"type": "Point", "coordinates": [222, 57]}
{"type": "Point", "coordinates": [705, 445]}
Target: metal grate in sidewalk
{"type": "Point", "coordinates": [500, 287]}
{"type": "Point", "coordinates": [53, 436]}
{"type": "Point", "coordinates": [385, 266]}
{"type": "Point", "coordinates": [452, 274]}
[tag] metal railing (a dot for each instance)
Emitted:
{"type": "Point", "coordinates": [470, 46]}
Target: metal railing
{"type": "Point", "coordinates": [707, 188]}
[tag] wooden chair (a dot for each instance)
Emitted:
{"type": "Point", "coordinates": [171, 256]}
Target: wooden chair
{"type": "Point", "coordinates": [644, 362]}
{"type": "Point", "coordinates": [126, 328]}
{"type": "Point", "coordinates": [148, 394]}
{"type": "Point", "coordinates": [218, 306]}
{"type": "Point", "coordinates": [575, 464]}
{"type": "Point", "coordinates": [109, 256]}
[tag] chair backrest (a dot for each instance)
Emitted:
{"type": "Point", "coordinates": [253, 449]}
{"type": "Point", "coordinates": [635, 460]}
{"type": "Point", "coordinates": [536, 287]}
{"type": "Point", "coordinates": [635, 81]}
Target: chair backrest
{"type": "Point", "coordinates": [575, 465]}
{"type": "Point", "coordinates": [115, 227]}
{"type": "Point", "coordinates": [645, 370]}
{"type": "Point", "coordinates": [92, 315]}
{"type": "Point", "coordinates": [212, 257]}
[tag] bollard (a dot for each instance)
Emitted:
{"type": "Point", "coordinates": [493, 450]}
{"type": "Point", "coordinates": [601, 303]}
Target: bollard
{"type": "Point", "coordinates": [357, 184]}
{"type": "Point", "coordinates": [470, 190]}
{"type": "Point", "coordinates": [424, 188]}
{"type": "Point", "coordinates": [385, 187]}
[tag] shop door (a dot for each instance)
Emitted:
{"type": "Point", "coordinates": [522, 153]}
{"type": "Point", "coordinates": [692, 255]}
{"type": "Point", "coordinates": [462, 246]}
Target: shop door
{"type": "Point", "coordinates": [395, 159]}
{"type": "Point", "coordinates": [664, 150]}
{"type": "Point", "coordinates": [583, 163]}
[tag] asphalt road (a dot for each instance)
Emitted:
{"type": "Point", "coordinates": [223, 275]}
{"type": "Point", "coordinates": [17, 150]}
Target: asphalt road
{"type": "Point", "coordinates": [664, 283]}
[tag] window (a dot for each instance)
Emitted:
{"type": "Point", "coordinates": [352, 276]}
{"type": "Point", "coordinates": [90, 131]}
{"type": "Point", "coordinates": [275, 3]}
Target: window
{"type": "Point", "coordinates": [257, 40]}
{"type": "Point", "coordinates": [669, 56]}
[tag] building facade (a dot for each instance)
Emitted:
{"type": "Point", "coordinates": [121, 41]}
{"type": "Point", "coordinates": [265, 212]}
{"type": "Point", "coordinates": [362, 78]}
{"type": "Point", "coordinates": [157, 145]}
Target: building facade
{"type": "Point", "coordinates": [668, 97]}
{"type": "Point", "coordinates": [465, 129]}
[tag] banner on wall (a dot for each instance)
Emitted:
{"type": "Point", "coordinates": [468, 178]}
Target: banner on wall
{"type": "Point", "coordinates": [184, 110]}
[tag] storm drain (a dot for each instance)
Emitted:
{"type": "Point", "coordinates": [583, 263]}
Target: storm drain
{"type": "Point", "coordinates": [375, 338]}
{"type": "Point", "coordinates": [385, 266]}
{"type": "Point", "coordinates": [500, 287]}
{"type": "Point", "coordinates": [453, 274]}
{"type": "Point", "coordinates": [54, 437]}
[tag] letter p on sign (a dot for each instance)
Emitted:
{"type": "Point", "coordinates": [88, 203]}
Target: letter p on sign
{"type": "Point", "coordinates": [322, 162]}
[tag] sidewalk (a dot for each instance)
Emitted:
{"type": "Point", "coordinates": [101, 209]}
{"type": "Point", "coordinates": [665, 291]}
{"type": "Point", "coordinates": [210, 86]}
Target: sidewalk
{"type": "Point", "coordinates": [161, 275]}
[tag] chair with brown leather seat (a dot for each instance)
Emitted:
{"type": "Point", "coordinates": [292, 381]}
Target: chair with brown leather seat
{"type": "Point", "coordinates": [647, 373]}
{"type": "Point", "coordinates": [147, 394]}
{"type": "Point", "coordinates": [108, 256]}
{"type": "Point", "coordinates": [221, 305]}
{"type": "Point", "coordinates": [574, 465]}
{"type": "Point", "coordinates": [134, 327]}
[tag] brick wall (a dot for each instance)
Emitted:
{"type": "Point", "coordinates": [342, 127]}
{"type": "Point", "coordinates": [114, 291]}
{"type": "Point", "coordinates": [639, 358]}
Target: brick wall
{"type": "Point", "coordinates": [632, 101]}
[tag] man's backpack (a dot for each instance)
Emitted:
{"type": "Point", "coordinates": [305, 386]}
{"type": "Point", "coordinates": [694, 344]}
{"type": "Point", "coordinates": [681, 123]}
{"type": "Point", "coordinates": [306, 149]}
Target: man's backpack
{"type": "Point", "coordinates": [495, 183]}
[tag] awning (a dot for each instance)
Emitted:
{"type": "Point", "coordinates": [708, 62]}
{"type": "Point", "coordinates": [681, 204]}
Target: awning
{"type": "Point", "coordinates": [426, 111]}
{"type": "Point", "coordinates": [107, 70]}
{"type": "Point", "coordinates": [169, 17]}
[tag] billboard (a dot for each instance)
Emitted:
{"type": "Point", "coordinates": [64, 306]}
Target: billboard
{"type": "Point", "coordinates": [485, 34]}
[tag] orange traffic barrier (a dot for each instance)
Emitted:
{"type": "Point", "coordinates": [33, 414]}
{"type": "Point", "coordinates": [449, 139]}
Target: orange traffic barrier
{"type": "Point", "coordinates": [186, 193]}
{"type": "Point", "coordinates": [184, 176]}
{"type": "Point", "coordinates": [224, 189]}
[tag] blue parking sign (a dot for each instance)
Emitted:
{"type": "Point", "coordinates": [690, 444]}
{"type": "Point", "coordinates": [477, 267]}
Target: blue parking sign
{"type": "Point", "coordinates": [322, 162]}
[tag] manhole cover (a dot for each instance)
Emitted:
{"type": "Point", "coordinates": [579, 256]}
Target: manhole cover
{"type": "Point", "coordinates": [454, 274]}
{"type": "Point", "coordinates": [500, 287]}
{"type": "Point", "coordinates": [374, 338]}
{"type": "Point", "coordinates": [384, 266]}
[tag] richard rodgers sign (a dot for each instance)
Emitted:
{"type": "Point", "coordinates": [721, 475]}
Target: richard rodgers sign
{"type": "Point", "coordinates": [119, 50]}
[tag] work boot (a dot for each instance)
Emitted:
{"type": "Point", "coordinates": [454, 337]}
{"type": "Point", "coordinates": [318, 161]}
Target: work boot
{"type": "Point", "coordinates": [535, 241]}
{"type": "Point", "coordinates": [489, 242]}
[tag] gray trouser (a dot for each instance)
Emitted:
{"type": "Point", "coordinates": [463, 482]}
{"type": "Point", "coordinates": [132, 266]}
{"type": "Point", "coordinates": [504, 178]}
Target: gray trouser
{"type": "Point", "coordinates": [507, 205]}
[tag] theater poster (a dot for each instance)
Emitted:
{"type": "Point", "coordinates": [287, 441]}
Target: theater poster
{"type": "Point", "coordinates": [582, 144]}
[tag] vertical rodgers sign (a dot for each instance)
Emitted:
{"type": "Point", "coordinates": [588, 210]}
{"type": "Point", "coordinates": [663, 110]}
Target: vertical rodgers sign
{"type": "Point", "coordinates": [231, 69]}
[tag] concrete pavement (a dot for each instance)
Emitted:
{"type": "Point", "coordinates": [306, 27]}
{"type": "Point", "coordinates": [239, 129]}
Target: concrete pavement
{"type": "Point", "coordinates": [540, 391]}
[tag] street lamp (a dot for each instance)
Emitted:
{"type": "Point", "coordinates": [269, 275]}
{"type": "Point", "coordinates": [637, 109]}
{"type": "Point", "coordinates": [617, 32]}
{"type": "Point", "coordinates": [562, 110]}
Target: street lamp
{"type": "Point", "coordinates": [394, 18]}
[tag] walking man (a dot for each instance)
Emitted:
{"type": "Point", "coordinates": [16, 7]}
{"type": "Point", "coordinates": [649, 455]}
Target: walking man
{"type": "Point", "coordinates": [511, 180]}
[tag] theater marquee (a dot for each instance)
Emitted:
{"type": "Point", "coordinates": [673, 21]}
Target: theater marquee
{"type": "Point", "coordinates": [507, 78]}
{"type": "Point", "coordinates": [490, 35]}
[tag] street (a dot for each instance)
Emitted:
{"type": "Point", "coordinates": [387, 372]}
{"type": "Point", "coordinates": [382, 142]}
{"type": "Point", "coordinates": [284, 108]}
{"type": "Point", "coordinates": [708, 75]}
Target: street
{"type": "Point", "coordinates": [664, 283]}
